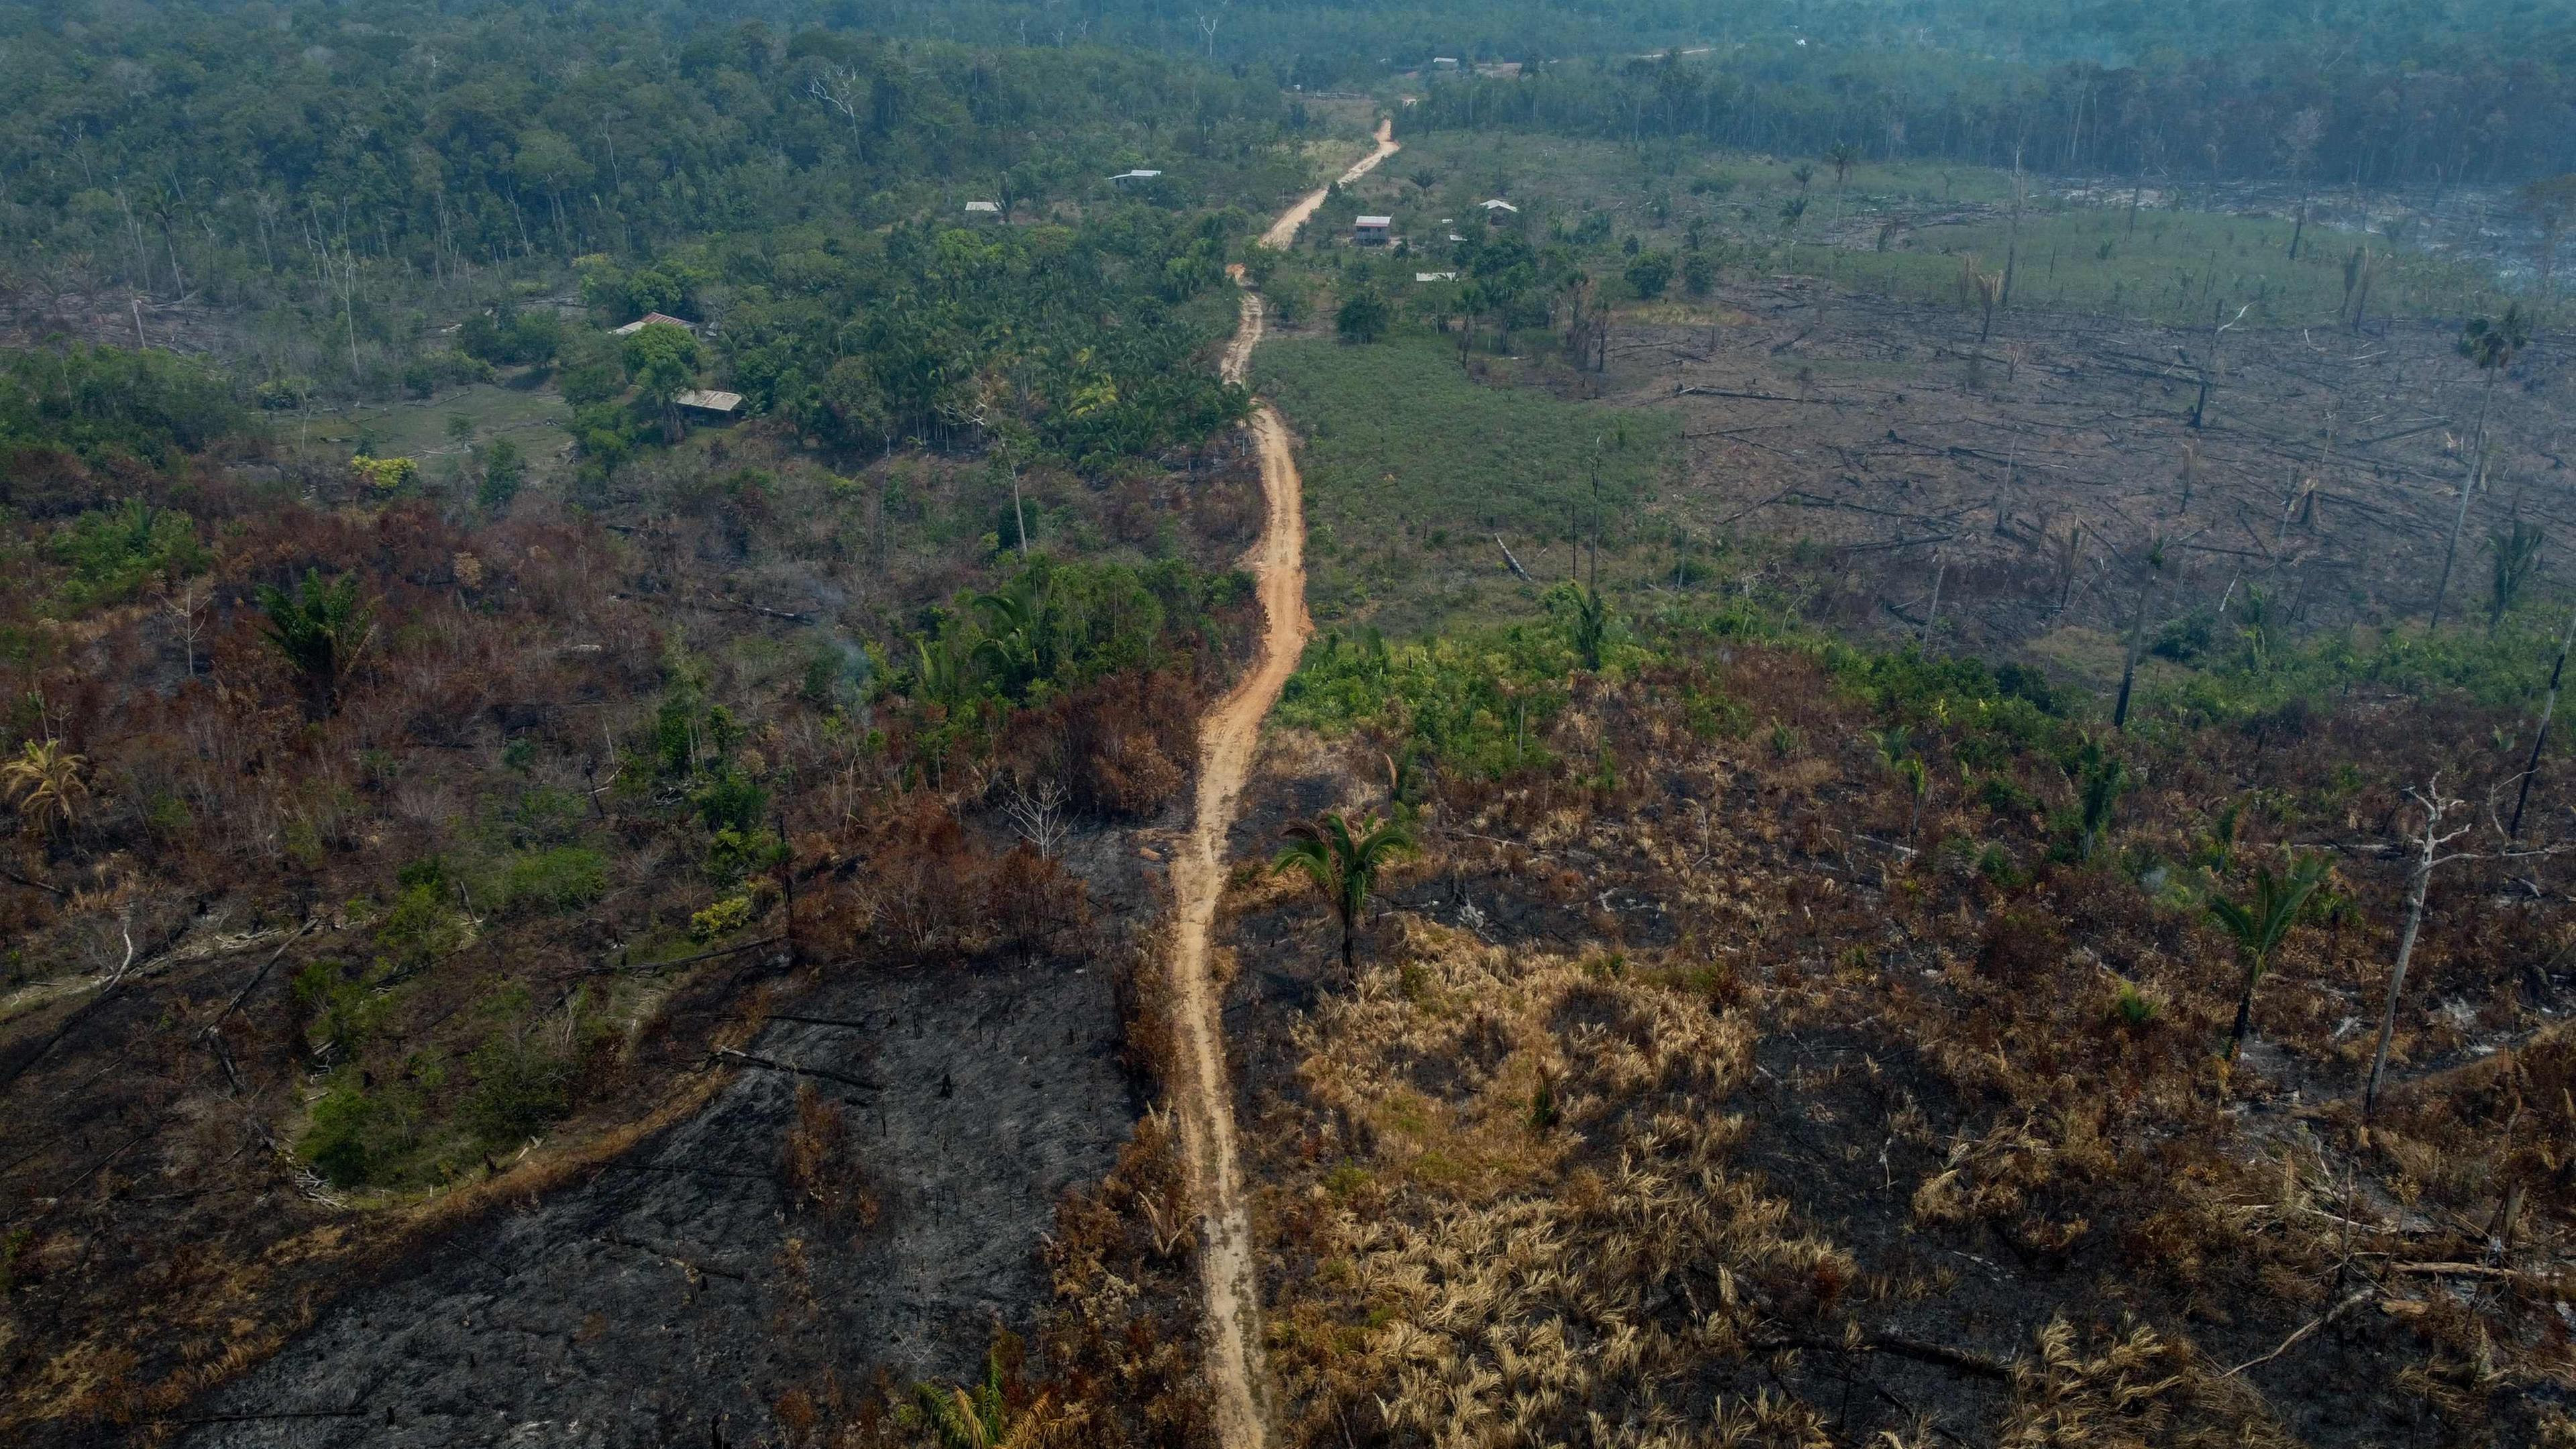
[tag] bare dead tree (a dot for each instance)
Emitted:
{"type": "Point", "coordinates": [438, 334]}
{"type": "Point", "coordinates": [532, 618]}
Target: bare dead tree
{"type": "Point", "coordinates": [2150, 566]}
{"type": "Point", "coordinates": [186, 606]}
{"type": "Point", "coordinates": [840, 88]}
{"type": "Point", "coordinates": [2429, 858]}
{"type": "Point", "coordinates": [2429, 842]}
{"type": "Point", "coordinates": [2531, 767]}
{"type": "Point", "coordinates": [2209, 362]}
{"type": "Point", "coordinates": [1037, 813]}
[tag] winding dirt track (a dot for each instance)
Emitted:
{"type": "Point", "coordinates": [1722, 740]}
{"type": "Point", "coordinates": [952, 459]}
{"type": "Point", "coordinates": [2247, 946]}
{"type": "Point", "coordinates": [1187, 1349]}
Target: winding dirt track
{"type": "Point", "coordinates": [1227, 739]}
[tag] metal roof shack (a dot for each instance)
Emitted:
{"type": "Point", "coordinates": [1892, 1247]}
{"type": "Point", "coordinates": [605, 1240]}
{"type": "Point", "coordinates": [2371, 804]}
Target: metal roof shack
{"type": "Point", "coordinates": [983, 211]}
{"type": "Point", "coordinates": [1498, 204]}
{"type": "Point", "coordinates": [652, 319]}
{"type": "Point", "coordinates": [1371, 230]}
{"type": "Point", "coordinates": [724, 405]}
{"type": "Point", "coordinates": [1139, 174]}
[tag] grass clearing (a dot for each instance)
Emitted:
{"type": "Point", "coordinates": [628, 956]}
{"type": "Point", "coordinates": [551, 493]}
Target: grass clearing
{"type": "Point", "coordinates": [1411, 467]}
{"type": "Point", "coordinates": [532, 417]}
{"type": "Point", "coordinates": [1902, 231]}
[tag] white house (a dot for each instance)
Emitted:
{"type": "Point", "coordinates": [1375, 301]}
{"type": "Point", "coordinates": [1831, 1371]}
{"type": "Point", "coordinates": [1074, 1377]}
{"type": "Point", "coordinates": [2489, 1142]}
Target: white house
{"type": "Point", "coordinates": [1125, 178]}
{"type": "Point", "coordinates": [983, 211]}
{"type": "Point", "coordinates": [1498, 206]}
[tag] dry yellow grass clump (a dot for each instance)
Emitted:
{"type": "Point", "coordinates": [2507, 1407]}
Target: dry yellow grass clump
{"type": "Point", "coordinates": [1515, 1217]}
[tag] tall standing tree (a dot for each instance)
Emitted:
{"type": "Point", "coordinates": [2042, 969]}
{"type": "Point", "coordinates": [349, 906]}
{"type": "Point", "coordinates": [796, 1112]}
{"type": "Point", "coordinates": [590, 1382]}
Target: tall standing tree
{"type": "Point", "coordinates": [663, 360]}
{"type": "Point", "coordinates": [1343, 861]}
{"type": "Point", "coordinates": [2490, 344]}
{"type": "Point", "coordinates": [2260, 923]}
{"type": "Point", "coordinates": [1362, 318]}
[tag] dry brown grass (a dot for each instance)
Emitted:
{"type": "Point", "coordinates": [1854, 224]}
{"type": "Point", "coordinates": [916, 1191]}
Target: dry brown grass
{"type": "Point", "coordinates": [1821, 1135]}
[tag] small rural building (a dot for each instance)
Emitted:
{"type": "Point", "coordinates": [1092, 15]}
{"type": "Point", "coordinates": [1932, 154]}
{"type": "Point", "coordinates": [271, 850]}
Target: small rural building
{"type": "Point", "coordinates": [1435, 276]}
{"type": "Point", "coordinates": [722, 407]}
{"type": "Point", "coordinates": [1137, 177]}
{"type": "Point", "coordinates": [983, 211]}
{"type": "Point", "coordinates": [1371, 231]}
{"type": "Point", "coordinates": [1499, 207]}
{"type": "Point", "coordinates": [1444, 62]}
{"type": "Point", "coordinates": [652, 319]}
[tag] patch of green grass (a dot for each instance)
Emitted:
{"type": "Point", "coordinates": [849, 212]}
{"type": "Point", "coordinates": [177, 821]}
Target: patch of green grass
{"type": "Point", "coordinates": [533, 418]}
{"type": "Point", "coordinates": [1867, 233]}
{"type": "Point", "coordinates": [1411, 468]}
{"type": "Point", "coordinates": [2181, 268]}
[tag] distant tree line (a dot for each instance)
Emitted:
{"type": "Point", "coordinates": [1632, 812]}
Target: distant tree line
{"type": "Point", "coordinates": [210, 152]}
{"type": "Point", "coordinates": [2464, 114]}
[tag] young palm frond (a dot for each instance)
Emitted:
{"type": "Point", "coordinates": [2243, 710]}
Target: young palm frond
{"type": "Point", "coordinates": [2517, 558]}
{"type": "Point", "coordinates": [45, 782]}
{"type": "Point", "coordinates": [980, 1417]}
{"type": "Point", "coordinates": [2259, 925]}
{"type": "Point", "coordinates": [321, 629]}
{"type": "Point", "coordinates": [1343, 862]}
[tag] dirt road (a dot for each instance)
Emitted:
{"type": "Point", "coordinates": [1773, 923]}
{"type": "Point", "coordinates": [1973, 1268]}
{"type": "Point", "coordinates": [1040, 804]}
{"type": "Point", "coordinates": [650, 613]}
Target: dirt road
{"type": "Point", "coordinates": [1227, 739]}
{"type": "Point", "coordinates": [1284, 230]}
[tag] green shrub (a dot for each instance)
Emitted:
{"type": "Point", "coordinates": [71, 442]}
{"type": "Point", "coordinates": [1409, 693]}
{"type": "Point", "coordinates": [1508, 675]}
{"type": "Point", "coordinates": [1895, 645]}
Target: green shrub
{"type": "Point", "coordinates": [732, 801]}
{"type": "Point", "coordinates": [339, 1009]}
{"type": "Point", "coordinates": [356, 1135]}
{"type": "Point", "coordinates": [565, 878]}
{"type": "Point", "coordinates": [114, 552]}
{"type": "Point", "coordinates": [423, 925]}
{"type": "Point", "coordinates": [721, 919]}
{"type": "Point", "coordinates": [523, 1073]}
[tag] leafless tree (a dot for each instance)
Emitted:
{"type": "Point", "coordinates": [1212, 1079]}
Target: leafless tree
{"type": "Point", "coordinates": [2429, 857]}
{"type": "Point", "coordinates": [1037, 813]}
{"type": "Point", "coordinates": [841, 88]}
{"type": "Point", "coordinates": [2531, 767]}
{"type": "Point", "coordinates": [186, 606]}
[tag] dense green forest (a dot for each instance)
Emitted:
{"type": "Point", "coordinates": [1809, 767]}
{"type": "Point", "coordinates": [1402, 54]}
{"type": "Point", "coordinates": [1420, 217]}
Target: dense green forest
{"type": "Point", "coordinates": [2462, 113]}
{"type": "Point", "coordinates": [2392, 91]}
{"type": "Point", "coordinates": [345, 192]}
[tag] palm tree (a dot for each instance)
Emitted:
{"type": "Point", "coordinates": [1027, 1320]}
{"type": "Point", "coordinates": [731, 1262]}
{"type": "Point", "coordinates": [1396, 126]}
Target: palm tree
{"type": "Point", "coordinates": [941, 671]}
{"type": "Point", "coordinates": [2490, 344]}
{"type": "Point", "coordinates": [1841, 158]}
{"type": "Point", "coordinates": [321, 629]}
{"type": "Point", "coordinates": [980, 1417]}
{"type": "Point", "coordinates": [45, 782]}
{"type": "Point", "coordinates": [1343, 861]}
{"type": "Point", "coordinates": [1896, 751]}
{"type": "Point", "coordinates": [1591, 618]}
{"type": "Point", "coordinates": [1011, 648]}
{"type": "Point", "coordinates": [2517, 558]}
{"type": "Point", "coordinates": [2259, 925]}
